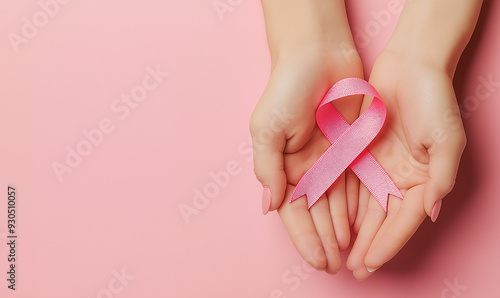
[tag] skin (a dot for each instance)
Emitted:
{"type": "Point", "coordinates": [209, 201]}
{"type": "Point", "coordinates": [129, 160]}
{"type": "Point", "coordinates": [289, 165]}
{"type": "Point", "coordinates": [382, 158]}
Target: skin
{"type": "Point", "coordinates": [311, 48]}
{"type": "Point", "coordinates": [420, 145]}
{"type": "Point", "coordinates": [423, 138]}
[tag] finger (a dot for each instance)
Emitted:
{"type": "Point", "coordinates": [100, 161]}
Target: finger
{"type": "Point", "coordinates": [320, 213]}
{"type": "Point", "coordinates": [444, 160]}
{"type": "Point", "coordinates": [338, 209]}
{"type": "Point", "coordinates": [364, 198]}
{"type": "Point", "coordinates": [372, 221]}
{"type": "Point", "coordinates": [268, 148]}
{"type": "Point", "coordinates": [352, 192]}
{"type": "Point", "coordinates": [409, 217]}
{"type": "Point", "coordinates": [300, 226]}
{"type": "Point", "coordinates": [393, 206]}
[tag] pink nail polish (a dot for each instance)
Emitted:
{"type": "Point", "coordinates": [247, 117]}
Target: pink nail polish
{"type": "Point", "coordinates": [435, 210]}
{"type": "Point", "coordinates": [266, 200]}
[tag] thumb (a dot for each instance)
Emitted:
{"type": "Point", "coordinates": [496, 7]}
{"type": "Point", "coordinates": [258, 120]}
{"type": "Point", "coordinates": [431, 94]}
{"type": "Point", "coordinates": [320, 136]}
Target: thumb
{"type": "Point", "coordinates": [268, 146]}
{"type": "Point", "coordinates": [444, 159]}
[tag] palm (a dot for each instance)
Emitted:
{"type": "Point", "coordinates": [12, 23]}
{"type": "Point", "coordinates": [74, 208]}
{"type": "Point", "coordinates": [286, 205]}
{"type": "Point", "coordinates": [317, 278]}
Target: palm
{"type": "Point", "coordinates": [420, 128]}
{"type": "Point", "coordinates": [298, 162]}
{"type": "Point", "coordinates": [321, 232]}
{"type": "Point", "coordinates": [419, 102]}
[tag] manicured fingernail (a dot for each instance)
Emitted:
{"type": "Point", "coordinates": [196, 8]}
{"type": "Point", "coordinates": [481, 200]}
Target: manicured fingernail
{"type": "Point", "coordinates": [266, 200]}
{"type": "Point", "coordinates": [371, 270]}
{"type": "Point", "coordinates": [435, 210]}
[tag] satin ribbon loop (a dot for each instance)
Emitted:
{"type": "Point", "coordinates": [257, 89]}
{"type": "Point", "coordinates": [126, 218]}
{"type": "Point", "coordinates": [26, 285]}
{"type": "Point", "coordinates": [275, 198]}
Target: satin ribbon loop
{"type": "Point", "coordinates": [348, 149]}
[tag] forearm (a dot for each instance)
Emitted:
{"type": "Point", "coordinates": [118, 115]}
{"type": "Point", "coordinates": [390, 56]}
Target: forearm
{"type": "Point", "coordinates": [435, 31]}
{"type": "Point", "coordinates": [298, 25]}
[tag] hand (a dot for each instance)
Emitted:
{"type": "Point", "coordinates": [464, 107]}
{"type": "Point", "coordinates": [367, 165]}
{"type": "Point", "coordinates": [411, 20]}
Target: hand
{"type": "Point", "coordinates": [286, 147]}
{"type": "Point", "coordinates": [419, 146]}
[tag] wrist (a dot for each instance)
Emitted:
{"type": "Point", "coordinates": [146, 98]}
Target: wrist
{"type": "Point", "coordinates": [312, 26]}
{"type": "Point", "coordinates": [414, 48]}
{"type": "Point", "coordinates": [334, 55]}
{"type": "Point", "coordinates": [435, 33]}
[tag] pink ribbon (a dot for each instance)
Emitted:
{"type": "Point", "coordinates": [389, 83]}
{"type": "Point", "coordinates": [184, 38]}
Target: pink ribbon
{"type": "Point", "coordinates": [348, 147]}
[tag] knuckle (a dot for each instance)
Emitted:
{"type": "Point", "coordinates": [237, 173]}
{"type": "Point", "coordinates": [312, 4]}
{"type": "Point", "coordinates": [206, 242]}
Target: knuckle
{"type": "Point", "coordinates": [463, 140]}
{"type": "Point", "coordinates": [257, 123]}
{"type": "Point", "coordinates": [449, 185]}
{"type": "Point", "coordinates": [259, 174]}
{"type": "Point", "coordinates": [254, 126]}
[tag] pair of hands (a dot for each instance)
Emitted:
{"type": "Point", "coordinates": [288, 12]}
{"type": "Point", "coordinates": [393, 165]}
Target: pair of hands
{"type": "Point", "coordinates": [419, 147]}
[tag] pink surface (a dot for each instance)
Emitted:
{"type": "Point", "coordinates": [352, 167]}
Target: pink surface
{"type": "Point", "coordinates": [182, 142]}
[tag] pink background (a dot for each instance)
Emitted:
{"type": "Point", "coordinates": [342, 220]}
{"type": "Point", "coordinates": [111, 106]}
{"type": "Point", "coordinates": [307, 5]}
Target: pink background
{"type": "Point", "coordinates": [119, 208]}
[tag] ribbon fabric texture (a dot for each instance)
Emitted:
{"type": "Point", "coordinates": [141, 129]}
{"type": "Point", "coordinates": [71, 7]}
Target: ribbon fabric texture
{"type": "Point", "coordinates": [348, 147]}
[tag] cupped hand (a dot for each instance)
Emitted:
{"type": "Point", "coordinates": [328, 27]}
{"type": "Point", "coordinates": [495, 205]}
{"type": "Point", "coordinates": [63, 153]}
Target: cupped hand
{"type": "Point", "coordinates": [287, 142]}
{"type": "Point", "coordinates": [419, 146]}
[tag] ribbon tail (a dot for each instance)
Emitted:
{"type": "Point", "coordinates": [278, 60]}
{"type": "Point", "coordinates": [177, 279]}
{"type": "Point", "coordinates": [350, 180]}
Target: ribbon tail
{"type": "Point", "coordinates": [320, 176]}
{"type": "Point", "coordinates": [312, 193]}
{"type": "Point", "coordinates": [376, 180]}
{"type": "Point", "coordinates": [301, 190]}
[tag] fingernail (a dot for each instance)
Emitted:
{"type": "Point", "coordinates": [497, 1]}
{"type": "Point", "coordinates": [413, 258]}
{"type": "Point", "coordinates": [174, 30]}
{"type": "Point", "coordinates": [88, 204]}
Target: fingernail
{"type": "Point", "coordinates": [266, 200]}
{"type": "Point", "coordinates": [435, 210]}
{"type": "Point", "coordinates": [371, 270]}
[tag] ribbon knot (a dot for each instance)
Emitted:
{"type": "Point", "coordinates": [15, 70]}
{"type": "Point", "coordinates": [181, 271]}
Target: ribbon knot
{"type": "Point", "coordinates": [348, 147]}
